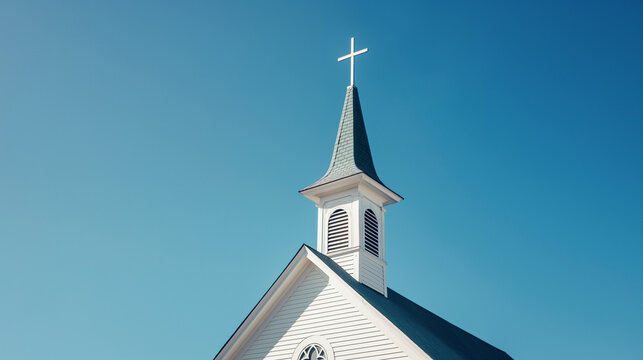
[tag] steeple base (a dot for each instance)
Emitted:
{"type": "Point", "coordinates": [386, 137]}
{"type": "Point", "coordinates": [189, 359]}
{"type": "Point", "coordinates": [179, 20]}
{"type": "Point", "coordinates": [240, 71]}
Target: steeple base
{"type": "Point", "coordinates": [364, 267]}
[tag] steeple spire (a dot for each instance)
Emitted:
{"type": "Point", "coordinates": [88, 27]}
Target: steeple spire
{"type": "Point", "coordinates": [352, 153]}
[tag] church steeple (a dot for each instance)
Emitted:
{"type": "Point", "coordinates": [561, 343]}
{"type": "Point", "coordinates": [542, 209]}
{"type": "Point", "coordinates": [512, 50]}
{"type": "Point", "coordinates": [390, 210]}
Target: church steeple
{"type": "Point", "coordinates": [351, 199]}
{"type": "Point", "coordinates": [352, 154]}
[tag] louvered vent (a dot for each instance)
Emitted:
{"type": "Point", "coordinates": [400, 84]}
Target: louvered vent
{"type": "Point", "coordinates": [371, 241]}
{"type": "Point", "coordinates": [338, 230]}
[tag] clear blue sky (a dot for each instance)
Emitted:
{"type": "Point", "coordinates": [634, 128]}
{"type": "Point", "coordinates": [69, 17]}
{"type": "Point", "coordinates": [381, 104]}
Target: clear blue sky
{"type": "Point", "coordinates": [151, 153]}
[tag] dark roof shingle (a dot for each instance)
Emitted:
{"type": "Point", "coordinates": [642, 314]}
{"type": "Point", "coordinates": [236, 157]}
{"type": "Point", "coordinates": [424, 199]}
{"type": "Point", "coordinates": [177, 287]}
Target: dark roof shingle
{"type": "Point", "coordinates": [437, 337]}
{"type": "Point", "coordinates": [351, 154]}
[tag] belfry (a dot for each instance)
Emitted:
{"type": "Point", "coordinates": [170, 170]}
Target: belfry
{"type": "Point", "coordinates": [334, 302]}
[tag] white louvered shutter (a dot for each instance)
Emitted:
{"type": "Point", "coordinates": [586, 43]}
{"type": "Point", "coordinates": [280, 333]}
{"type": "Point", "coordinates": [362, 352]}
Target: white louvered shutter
{"type": "Point", "coordinates": [371, 240]}
{"type": "Point", "coordinates": [338, 230]}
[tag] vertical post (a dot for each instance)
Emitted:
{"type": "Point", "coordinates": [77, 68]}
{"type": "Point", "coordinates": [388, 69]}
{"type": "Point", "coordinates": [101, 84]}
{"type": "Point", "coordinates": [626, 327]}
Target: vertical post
{"type": "Point", "coordinates": [352, 60]}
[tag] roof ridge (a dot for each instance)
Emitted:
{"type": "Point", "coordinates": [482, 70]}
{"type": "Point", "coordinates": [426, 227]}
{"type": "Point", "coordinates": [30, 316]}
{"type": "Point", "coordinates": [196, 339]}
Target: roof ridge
{"type": "Point", "coordinates": [435, 336]}
{"type": "Point", "coordinates": [417, 322]}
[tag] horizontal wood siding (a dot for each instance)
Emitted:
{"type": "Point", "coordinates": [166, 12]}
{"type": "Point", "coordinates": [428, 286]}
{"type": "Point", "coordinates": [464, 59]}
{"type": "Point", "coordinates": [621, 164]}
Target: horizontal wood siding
{"type": "Point", "coordinates": [316, 308]}
{"type": "Point", "coordinates": [371, 273]}
{"type": "Point", "coordinates": [347, 262]}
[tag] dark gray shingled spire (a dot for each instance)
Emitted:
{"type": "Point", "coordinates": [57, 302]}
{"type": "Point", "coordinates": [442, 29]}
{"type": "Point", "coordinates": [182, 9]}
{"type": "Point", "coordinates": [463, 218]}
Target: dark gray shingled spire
{"type": "Point", "coordinates": [351, 155]}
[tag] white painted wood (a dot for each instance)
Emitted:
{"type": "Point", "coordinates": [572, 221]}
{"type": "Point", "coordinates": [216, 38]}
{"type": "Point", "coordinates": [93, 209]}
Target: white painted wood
{"type": "Point", "coordinates": [377, 191]}
{"type": "Point", "coordinates": [352, 55]}
{"type": "Point", "coordinates": [355, 201]}
{"type": "Point", "coordinates": [372, 272]}
{"type": "Point", "coordinates": [294, 286]}
{"type": "Point", "coordinates": [264, 309]}
{"type": "Point", "coordinates": [372, 314]}
{"type": "Point", "coordinates": [316, 307]}
{"type": "Point", "coordinates": [347, 262]}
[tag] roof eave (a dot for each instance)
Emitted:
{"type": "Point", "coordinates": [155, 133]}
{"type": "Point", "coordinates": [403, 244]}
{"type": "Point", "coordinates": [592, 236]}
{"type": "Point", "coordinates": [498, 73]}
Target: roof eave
{"type": "Point", "coordinates": [268, 300]}
{"type": "Point", "coordinates": [385, 195]}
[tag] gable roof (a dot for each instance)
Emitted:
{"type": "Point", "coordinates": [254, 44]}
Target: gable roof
{"type": "Point", "coordinates": [351, 154]}
{"type": "Point", "coordinates": [435, 336]}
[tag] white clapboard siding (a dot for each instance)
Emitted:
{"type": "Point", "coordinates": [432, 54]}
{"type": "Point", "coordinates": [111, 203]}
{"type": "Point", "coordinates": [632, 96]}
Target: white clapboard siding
{"type": "Point", "coordinates": [347, 262]}
{"type": "Point", "coordinates": [315, 307]}
{"type": "Point", "coordinates": [371, 273]}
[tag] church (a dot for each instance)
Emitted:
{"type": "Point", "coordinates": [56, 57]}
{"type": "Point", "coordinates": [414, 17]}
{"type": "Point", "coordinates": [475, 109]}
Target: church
{"type": "Point", "coordinates": [333, 302]}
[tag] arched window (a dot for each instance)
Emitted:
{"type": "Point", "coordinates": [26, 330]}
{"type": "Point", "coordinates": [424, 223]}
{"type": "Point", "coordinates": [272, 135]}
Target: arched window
{"type": "Point", "coordinates": [313, 352]}
{"type": "Point", "coordinates": [371, 240]}
{"type": "Point", "coordinates": [338, 230]}
{"type": "Point", "coordinates": [313, 348]}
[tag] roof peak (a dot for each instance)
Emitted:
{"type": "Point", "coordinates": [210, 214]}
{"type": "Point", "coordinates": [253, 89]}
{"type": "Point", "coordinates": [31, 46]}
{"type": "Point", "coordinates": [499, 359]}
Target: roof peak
{"type": "Point", "coordinates": [427, 332]}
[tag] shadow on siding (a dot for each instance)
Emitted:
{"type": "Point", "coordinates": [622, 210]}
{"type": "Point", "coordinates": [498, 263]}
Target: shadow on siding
{"type": "Point", "coordinates": [287, 328]}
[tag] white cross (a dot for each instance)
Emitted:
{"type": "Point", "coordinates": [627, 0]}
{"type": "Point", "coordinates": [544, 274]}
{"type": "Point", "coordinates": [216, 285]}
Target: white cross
{"type": "Point", "coordinates": [352, 56]}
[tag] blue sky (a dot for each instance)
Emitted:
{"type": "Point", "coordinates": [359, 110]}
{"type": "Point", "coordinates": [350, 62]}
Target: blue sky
{"type": "Point", "coordinates": [151, 153]}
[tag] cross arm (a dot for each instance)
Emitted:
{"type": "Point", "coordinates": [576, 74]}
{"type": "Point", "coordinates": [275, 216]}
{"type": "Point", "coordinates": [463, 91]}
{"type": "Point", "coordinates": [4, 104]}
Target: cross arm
{"type": "Point", "coordinates": [352, 54]}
